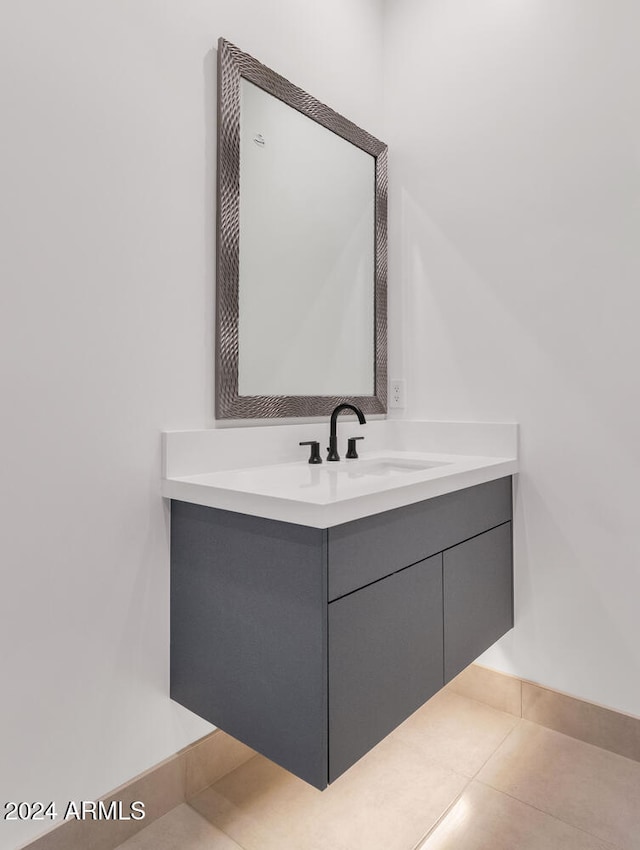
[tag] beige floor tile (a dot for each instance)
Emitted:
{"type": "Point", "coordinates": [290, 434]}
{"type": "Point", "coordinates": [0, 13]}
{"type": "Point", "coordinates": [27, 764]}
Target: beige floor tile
{"type": "Point", "coordinates": [592, 789]}
{"type": "Point", "coordinates": [458, 733]}
{"type": "Point", "coordinates": [495, 689]}
{"type": "Point", "coordinates": [387, 801]}
{"type": "Point", "coordinates": [485, 819]}
{"type": "Point", "coordinates": [180, 829]}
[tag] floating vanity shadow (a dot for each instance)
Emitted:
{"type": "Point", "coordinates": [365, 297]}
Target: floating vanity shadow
{"type": "Point", "coordinates": [311, 645]}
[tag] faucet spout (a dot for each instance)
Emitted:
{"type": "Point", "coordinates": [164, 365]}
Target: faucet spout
{"type": "Point", "coordinates": [333, 427]}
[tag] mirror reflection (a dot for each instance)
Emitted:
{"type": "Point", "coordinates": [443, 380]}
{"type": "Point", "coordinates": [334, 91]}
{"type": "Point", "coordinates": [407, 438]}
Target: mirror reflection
{"type": "Point", "coordinates": [307, 261]}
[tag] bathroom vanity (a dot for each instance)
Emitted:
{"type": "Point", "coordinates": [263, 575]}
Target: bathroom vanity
{"type": "Point", "coordinates": [311, 638]}
{"type": "Point", "coordinates": [315, 606]}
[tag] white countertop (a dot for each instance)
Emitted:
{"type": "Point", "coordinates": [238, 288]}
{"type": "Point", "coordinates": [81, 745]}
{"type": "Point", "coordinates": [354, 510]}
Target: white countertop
{"type": "Point", "coordinates": [254, 471]}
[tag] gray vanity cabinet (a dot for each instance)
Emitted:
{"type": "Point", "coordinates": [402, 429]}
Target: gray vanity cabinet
{"type": "Point", "coordinates": [310, 645]}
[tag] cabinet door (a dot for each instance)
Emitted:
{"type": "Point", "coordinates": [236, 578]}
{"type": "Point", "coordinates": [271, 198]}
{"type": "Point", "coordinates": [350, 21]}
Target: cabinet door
{"type": "Point", "coordinates": [478, 596]}
{"type": "Point", "coordinates": [385, 658]}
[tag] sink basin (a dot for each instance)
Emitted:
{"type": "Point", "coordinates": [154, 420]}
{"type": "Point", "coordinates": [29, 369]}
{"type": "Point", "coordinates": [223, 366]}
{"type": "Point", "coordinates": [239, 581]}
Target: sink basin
{"type": "Point", "coordinates": [326, 481]}
{"type": "Point", "coordinates": [385, 466]}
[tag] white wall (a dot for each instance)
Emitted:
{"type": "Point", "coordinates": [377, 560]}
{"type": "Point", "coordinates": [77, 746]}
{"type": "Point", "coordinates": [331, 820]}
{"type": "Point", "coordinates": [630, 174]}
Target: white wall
{"type": "Point", "coordinates": [514, 173]}
{"type": "Point", "coordinates": [107, 205]}
{"type": "Point", "coordinates": [514, 131]}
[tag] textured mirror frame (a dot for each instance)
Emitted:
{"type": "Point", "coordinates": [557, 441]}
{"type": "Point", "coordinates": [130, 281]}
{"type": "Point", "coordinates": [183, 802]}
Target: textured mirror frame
{"type": "Point", "coordinates": [233, 65]}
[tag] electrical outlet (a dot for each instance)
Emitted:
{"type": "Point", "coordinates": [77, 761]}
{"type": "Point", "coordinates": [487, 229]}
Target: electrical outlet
{"type": "Point", "coordinates": [396, 393]}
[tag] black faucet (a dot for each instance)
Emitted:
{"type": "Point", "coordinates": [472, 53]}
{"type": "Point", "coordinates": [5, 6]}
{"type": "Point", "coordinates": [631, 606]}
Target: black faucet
{"type": "Point", "coordinates": [333, 439]}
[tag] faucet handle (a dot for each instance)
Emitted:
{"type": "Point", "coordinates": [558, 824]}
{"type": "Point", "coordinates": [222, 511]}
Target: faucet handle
{"type": "Point", "coordinates": [315, 451]}
{"type": "Point", "coordinates": [351, 447]}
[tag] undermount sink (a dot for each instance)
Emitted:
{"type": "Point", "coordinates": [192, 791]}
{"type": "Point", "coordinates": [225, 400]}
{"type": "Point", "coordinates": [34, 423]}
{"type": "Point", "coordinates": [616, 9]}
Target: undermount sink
{"type": "Point", "coordinates": [322, 480]}
{"type": "Point", "coordinates": [385, 466]}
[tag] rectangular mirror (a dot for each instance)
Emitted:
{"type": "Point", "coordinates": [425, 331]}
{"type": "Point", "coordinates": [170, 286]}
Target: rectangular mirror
{"type": "Point", "coordinates": [301, 289]}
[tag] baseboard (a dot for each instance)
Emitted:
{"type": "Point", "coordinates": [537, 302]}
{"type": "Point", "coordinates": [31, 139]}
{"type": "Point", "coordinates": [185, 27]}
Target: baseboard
{"type": "Point", "coordinates": [173, 781]}
{"type": "Point", "coordinates": [604, 727]}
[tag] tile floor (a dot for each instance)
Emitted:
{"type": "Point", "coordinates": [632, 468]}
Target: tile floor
{"type": "Point", "coordinates": [457, 775]}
